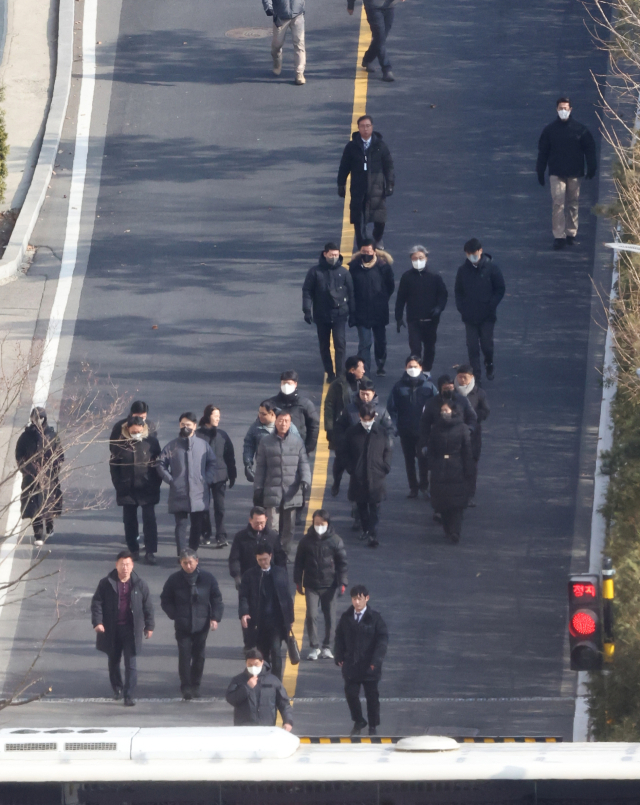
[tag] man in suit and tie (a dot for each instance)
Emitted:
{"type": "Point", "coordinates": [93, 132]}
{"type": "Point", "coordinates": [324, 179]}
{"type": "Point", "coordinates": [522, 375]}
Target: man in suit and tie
{"type": "Point", "coordinates": [360, 647]}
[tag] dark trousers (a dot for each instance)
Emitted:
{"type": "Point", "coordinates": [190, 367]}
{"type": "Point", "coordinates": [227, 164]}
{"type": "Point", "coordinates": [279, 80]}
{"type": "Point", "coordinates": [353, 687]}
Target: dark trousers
{"type": "Point", "coordinates": [191, 647]}
{"type": "Point", "coordinates": [480, 337]}
{"type": "Point", "coordinates": [360, 226]}
{"type": "Point", "coordinates": [369, 516]}
{"type": "Point", "coordinates": [218, 492]}
{"type": "Point", "coordinates": [326, 599]}
{"type": "Point", "coordinates": [352, 692]}
{"type": "Point", "coordinates": [182, 519]}
{"type": "Point", "coordinates": [338, 468]}
{"type": "Point", "coordinates": [123, 644]}
{"type": "Point", "coordinates": [38, 524]}
{"type": "Point", "coordinates": [325, 330]}
{"type": "Point", "coordinates": [452, 522]}
{"type": "Point", "coordinates": [268, 640]}
{"type": "Point", "coordinates": [413, 453]}
{"type": "Point", "coordinates": [473, 480]}
{"type": "Point", "coordinates": [149, 527]}
{"type": "Point", "coordinates": [378, 337]}
{"type": "Point", "coordinates": [422, 341]}
{"type": "Point", "coordinates": [380, 21]}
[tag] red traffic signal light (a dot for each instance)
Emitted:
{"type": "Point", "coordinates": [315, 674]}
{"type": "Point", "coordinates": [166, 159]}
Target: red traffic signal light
{"type": "Point", "coordinates": [585, 623]}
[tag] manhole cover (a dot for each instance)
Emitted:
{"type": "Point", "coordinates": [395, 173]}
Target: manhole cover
{"type": "Point", "coordinates": [249, 33]}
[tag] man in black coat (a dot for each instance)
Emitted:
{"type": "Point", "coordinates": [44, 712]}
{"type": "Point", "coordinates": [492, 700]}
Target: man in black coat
{"type": "Point", "coordinates": [565, 145]}
{"type": "Point", "coordinates": [361, 645]}
{"type": "Point", "coordinates": [479, 290]}
{"type": "Point", "coordinates": [226, 473]}
{"type": "Point", "coordinates": [367, 453]}
{"type": "Point", "coordinates": [138, 408]}
{"type": "Point", "coordinates": [368, 160]}
{"type": "Point", "coordinates": [265, 606]}
{"type": "Point", "coordinates": [257, 696]}
{"type": "Point", "coordinates": [132, 464]}
{"type": "Point", "coordinates": [446, 393]}
{"type": "Point", "coordinates": [242, 556]}
{"type": "Point", "coordinates": [327, 300]}
{"type": "Point", "coordinates": [373, 286]}
{"type": "Point", "coordinates": [303, 412]}
{"type": "Point", "coordinates": [380, 15]}
{"type": "Point", "coordinates": [465, 384]}
{"type": "Point", "coordinates": [191, 599]}
{"type": "Point", "coordinates": [425, 297]}
{"type": "Point", "coordinates": [121, 612]}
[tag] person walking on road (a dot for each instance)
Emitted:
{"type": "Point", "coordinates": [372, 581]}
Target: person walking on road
{"type": "Point", "coordinates": [425, 297]}
{"type": "Point", "coordinates": [367, 159]}
{"type": "Point", "coordinates": [226, 473]}
{"type": "Point", "coordinates": [367, 452]}
{"type": "Point", "coordinates": [188, 465]}
{"type": "Point", "coordinates": [360, 647]}
{"type": "Point", "coordinates": [373, 286]}
{"type": "Point", "coordinates": [303, 412]}
{"type": "Point", "coordinates": [327, 300]}
{"type": "Point", "coordinates": [242, 555]}
{"type": "Point", "coordinates": [265, 606]}
{"type": "Point", "coordinates": [121, 612]}
{"type": "Point", "coordinates": [138, 408]}
{"type": "Point", "coordinates": [264, 425]}
{"type": "Point", "coordinates": [132, 464]}
{"type": "Point", "coordinates": [564, 147]}
{"type": "Point", "coordinates": [406, 402]}
{"type": "Point", "coordinates": [283, 477]}
{"type": "Point", "coordinates": [191, 599]}
{"type": "Point", "coordinates": [465, 384]}
{"type": "Point", "coordinates": [320, 572]}
{"type": "Point", "coordinates": [380, 18]}
{"type": "Point", "coordinates": [39, 456]}
{"type": "Point", "coordinates": [451, 467]}
{"type": "Point", "coordinates": [342, 391]}
{"type": "Point", "coordinates": [446, 394]}
{"type": "Point", "coordinates": [257, 695]}
{"type": "Point", "coordinates": [479, 290]}
{"type": "Point", "coordinates": [288, 15]}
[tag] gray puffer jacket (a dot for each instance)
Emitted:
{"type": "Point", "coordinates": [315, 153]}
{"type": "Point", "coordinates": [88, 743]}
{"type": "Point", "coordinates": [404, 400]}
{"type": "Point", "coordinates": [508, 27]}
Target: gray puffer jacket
{"type": "Point", "coordinates": [284, 9]}
{"type": "Point", "coordinates": [282, 467]}
{"type": "Point", "coordinates": [188, 465]}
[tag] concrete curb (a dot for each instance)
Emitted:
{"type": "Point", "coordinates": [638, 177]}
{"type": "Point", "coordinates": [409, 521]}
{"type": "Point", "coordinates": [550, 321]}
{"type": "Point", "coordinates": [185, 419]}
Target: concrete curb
{"type": "Point", "coordinates": [17, 246]}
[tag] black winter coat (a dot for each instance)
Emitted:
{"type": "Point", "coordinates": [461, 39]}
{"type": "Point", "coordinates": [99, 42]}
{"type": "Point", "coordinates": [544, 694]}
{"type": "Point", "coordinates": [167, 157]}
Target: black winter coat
{"type": "Point", "coordinates": [249, 602]}
{"type": "Point", "coordinates": [191, 607]}
{"type": "Point", "coordinates": [351, 416]}
{"type": "Point", "coordinates": [372, 289]}
{"type": "Point", "coordinates": [407, 401]}
{"type": "Point", "coordinates": [368, 460]}
{"type": "Point", "coordinates": [321, 561]}
{"type": "Point", "coordinates": [303, 415]}
{"type": "Point", "coordinates": [424, 294]}
{"type": "Point", "coordinates": [133, 469]}
{"type": "Point", "coordinates": [564, 146]}
{"type": "Point", "coordinates": [479, 290]}
{"type": "Point", "coordinates": [242, 555]}
{"type": "Point", "coordinates": [116, 431]}
{"type": "Point", "coordinates": [477, 398]}
{"type": "Point", "coordinates": [327, 292]}
{"type": "Point", "coordinates": [341, 392]}
{"type": "Point", "coordinates": [431, 414]}
{"type": "Point", "coordinates": [222, 446]}
{"type": "Point", "coordinates": [371, 186]}
{"type": "Point", "coordinates": [259, 706]}
{"type": "Point", "coordinates": [104, 610]}
{"type": "Point", "coordinates": [358, 646]}
{"type": "Point", "coordinates": [450, 463]}
{"type": "Point", "coordinates": [39, 456]}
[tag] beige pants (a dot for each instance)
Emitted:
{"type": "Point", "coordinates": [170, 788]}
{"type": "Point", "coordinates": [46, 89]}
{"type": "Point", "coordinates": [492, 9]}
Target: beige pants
{"type": "Point", "coordinates": [297, 34]}
{"type": "Point", "coordinates": [565, 196]}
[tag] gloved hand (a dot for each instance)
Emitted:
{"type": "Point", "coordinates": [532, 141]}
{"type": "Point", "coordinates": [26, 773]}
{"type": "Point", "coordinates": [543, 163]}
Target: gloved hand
{"type": "Point", "coordinates": [306, 491]}
{"type": "Point", "coordinates": [269, 12]}
{"type": "Point", "coordinates": [299, 588]}
{"type": "Point", "coordinates": [541, 178]}
{"type": "Point", "coordinates": [400, 324]}
{"type": "Point", "coordinates": [308, 318]}
{"type": "Point", "coordinates": [590, 175]}
{"type": "Point", "coordinates": [237, 581]}
{"type": "Point", "coordinates": [342, 589]}
{"type": "Point", "coordinates": [389, 191]}
{"type": "Point", "coordinates": [352, 321]}
{"type": "Point", "coordinates": [258, 497]}
{"type": "Point", "coordinates": [342, 190]}
{"type": "Point", "coordinates": [248, 473]}
{"type": "Point", "coordinates": [231, 482]}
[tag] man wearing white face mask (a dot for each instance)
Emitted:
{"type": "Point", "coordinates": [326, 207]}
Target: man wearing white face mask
{"type": "Point", "coordinates": [257, 696]}
{"type": "Point", "coordinates": [425, 297]}
{"type": "Point", "coordinates": [303, 412]}
{"type": "Point", "coordinates": [565, 145]}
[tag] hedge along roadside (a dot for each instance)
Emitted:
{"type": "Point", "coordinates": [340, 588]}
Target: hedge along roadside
{"type": "Point", "coordinates": [17, 246]}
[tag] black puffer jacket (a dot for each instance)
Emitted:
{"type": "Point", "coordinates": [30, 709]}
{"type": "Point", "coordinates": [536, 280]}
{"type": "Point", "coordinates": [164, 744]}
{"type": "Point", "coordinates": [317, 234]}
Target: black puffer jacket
{"type": "Point", "coordinates": [431, 413]}
{"type": "Point", "coordinates": [372, 184]}
{"type": "Point", "coordinates": [104, 610]}
{"type": "Point", "coordinates": [242, 556]}
{"type": "Point", "coordinates": [450, 463]}
{"type": "Point", "coordinates": [479, 290]}
{"type": "Point", "coordinates": [259, 706]}
{"type": "Point", "coordinates": [327, 292]}
{"type": "Point", "coordinates": [358, 646]}
{"type": "Point", "coordinates": [321, 561]}
{"type": "Point", "coordinates": [564, 146]}
{"type": "Point", "coordinates": [407, 401]}
{"type": "Point", "coordinates": [39, 456]}
{"type": "Point", "coordinates": [424, 294]}
{"type": "Point", "coordinates": [368, 459]}
{"type": "Point", "coordinates": [351, 416]}
{"type": "Point", "coordinates": [303, 415]}
{"type": "Point", "coordinates": [191, 607]}
{"type": "Point", "coordinates": [222, 446]}
{"type": "Point", "coordinates": [372, 288]}
{"type": "Point", "coordinates": [133, 469]}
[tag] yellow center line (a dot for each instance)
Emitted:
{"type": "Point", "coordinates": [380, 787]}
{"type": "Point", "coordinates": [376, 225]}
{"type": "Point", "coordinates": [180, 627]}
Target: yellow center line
{"type": "Point", "coordinates": [321, 464]}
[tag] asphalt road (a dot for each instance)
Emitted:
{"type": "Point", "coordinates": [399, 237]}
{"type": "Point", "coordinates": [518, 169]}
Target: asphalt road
{"type": "Point", "coordinates": [216, 194]}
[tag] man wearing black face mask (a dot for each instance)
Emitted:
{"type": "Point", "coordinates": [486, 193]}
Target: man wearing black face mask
{"type": "Point", "coordinates": [327, 300]}
{"type": "Point", "coordinates": [188, 465]}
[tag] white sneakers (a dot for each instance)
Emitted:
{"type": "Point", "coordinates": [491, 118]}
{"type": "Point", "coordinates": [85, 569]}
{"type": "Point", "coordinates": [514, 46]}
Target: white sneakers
{"type": "Point", "coordinates": [326, 654]}
{"type": "Point", "coordinates": [300, 79]}
{"type": "Point", "coordinates": [38, 542]}
{"type": "Point", "coordinates": [316, 654]}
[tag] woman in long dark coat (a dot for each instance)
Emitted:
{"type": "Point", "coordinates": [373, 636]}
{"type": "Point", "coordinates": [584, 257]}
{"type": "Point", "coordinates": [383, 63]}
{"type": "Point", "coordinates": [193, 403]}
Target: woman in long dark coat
{"type": "Point", "coordinates": [451, 465]}
{"type": "Point", "coordinates": [38, 456]}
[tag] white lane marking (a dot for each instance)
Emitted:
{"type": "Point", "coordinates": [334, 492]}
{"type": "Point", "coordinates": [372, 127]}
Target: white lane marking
{"type": "Point", "coordinates": [324, 700]}
{"type": "Point", "coordinates": [69, 255]}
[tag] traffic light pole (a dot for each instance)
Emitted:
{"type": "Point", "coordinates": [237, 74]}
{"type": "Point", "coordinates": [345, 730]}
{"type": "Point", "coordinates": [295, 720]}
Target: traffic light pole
{"type": "Point", "coordinates": [608, 595]}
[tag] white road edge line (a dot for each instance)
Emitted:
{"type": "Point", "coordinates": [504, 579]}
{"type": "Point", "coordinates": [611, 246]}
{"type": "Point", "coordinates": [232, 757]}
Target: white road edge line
{"type": "Point", "coordinates": [320, 700]}
{"type": "Point", "coordinates": [67, 268]}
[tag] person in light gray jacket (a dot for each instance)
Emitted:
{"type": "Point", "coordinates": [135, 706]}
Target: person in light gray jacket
{"type": "Point", "coordinates": [188, 465]}
{"type": "Point", "coordinates": [283, 477]}
{"type": "Point", "coordinates": [264, 425]}
{"type": "Point", "coordinates": [287, 15]}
